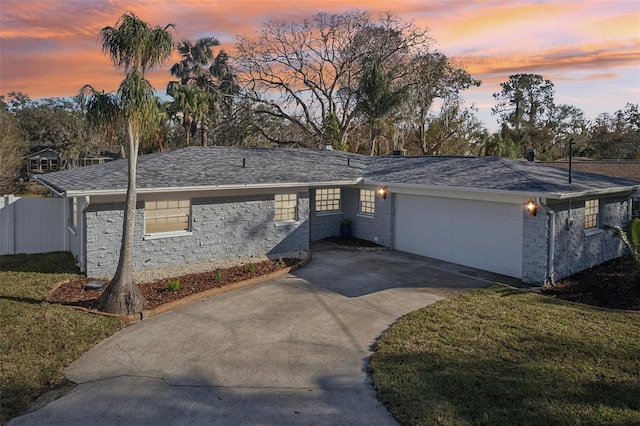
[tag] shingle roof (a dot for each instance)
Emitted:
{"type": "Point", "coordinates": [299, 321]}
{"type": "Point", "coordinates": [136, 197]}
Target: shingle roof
{"type": "Point", "coordinates": [494, 173]}
{"type": "Point", "coordinates": [215, 166]}
{"type": "Point", "coordinates": [193, 167]}
{"type": "Point", "coordinates": [625, 169]}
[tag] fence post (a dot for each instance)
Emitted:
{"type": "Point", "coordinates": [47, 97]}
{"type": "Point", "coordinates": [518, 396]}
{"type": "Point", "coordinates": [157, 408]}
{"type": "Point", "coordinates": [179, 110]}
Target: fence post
{"type": "Point", "coordinates": [7, 226]}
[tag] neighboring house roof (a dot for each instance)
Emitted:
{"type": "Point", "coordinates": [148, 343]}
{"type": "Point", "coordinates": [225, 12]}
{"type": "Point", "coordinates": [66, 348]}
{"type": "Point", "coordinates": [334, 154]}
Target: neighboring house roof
{"type": "Point", "coordinates": [197, 168]}
{"type": "Point", "coordinates": [48, 153]}
{"type": "Point", "coordinates": [625, 169]}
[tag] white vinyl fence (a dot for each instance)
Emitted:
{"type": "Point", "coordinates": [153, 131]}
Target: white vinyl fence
{"type": "Point", "coordinates": [32, 225]}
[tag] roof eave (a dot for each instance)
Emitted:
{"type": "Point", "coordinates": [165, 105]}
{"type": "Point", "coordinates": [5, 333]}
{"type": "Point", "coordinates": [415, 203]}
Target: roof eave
{"type": "Point", "coordinates": [51, 186]}
{"type": "Point", "coordinates": [101, 192]}
{"type": "Point", "coordinates": [548, 195]}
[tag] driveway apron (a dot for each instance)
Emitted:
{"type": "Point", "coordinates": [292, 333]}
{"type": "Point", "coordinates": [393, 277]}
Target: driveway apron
{"type": "Point", "coordinates": [285, 352]}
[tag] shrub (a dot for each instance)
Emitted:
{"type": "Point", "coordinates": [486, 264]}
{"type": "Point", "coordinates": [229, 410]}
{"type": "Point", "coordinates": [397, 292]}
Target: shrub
{"type": "Point", "coordinates": [281, 261]}
{"type": "Point", "coordinates": [630, 235]}
{"type": "Point", "coordinates": [173, 285]}
{"type": "Point", "coordinates": [218, 275]}
{"type": "Point", "coordinates": [251, 267]}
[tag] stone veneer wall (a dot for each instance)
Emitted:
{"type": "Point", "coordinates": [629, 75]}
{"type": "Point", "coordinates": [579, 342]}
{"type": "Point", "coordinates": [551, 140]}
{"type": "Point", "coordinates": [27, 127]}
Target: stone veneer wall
{"type": "Point", "coordinates": [535, 239]}
{"type": "Point", "coordinates": [222, 228]}
{"type": "Point", "coordinates": [377, 227]}
{"type": "Point", "coordinates": [324, 224]}
{"type": "Point", "coordinates": [575, 248]}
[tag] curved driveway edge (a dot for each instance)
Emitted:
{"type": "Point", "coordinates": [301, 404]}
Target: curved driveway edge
{"type": "Point", "coordinates": [293, 350]}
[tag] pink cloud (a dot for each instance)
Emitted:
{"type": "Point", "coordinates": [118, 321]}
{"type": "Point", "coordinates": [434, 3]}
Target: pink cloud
{"type": "Point", "coordinates": [51, 48]}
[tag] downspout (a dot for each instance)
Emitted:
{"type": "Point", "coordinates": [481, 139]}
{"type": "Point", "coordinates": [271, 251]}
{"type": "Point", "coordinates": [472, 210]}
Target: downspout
{"type": "Point", "coordinates": [82, 226]}
{"type": "Point", "coordinates": [551, 241]}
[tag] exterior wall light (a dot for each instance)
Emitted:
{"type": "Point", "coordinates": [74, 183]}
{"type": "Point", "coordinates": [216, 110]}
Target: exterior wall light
{"type": "Point", "coordinates": [382, 192]}
{"type": "Point", "coordinates": [532, 207]}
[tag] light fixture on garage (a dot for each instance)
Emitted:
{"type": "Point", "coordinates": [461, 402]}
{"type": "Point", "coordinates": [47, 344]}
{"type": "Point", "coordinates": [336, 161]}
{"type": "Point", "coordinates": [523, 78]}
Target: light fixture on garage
{"type": "Point", "coordinates": [382, 192]}
{"type": "Point", "coordinates": [532, 207]}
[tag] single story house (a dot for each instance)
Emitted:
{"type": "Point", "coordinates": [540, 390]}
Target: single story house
{"type": "Point", "coordinates": [47, 160]}
{"type": "Point", "coordinates": [199, 204]}
{"type": "Point", "coordinates": [42, 160]}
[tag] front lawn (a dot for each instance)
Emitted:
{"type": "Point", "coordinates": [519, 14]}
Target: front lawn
{"type": "Point", "coordinates": [500, 356]}
{"type": "Point", "coordinates": [37, 339]}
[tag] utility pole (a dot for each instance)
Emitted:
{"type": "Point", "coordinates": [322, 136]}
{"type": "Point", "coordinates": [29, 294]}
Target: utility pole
{"type": "Point", "coordinates": [570, 157]}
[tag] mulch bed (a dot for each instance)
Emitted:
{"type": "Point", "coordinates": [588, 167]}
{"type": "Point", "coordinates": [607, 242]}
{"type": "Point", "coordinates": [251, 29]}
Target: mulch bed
{"type": "Point", "coordinates": [614, 284]}
{"type": "Point", "coordinates": [73, 293]}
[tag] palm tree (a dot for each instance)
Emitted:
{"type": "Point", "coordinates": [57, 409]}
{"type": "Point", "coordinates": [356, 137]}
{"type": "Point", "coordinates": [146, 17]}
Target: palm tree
{"type": "Point", "coordinates": [195, 61]}
{"type": "Point", "coordinates": [135, 47]}
{"type": "Point", "coordinates": [211, 75]}
{"type": "Point", "coordinates": [190, 102]}
{"type": "Point", "coordinates": [193, 71]}
{"type": "Point", "coordinates": [377, 97]}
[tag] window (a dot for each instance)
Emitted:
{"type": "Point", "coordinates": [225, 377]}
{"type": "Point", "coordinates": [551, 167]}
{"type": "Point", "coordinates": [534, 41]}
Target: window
{"type": "Point", "coordinates": [328, 200]}
{"type": "Point", "coordinates": [54, 164]}
{"type": "Point", "coordinates": [44, 164]}
{"type": "Point", "coordinates": [591, 210]}
{"type": "Point", "coordinates": [166, 216]}
{"type": "Point", "coordinates": [367, 201]}
{"type": "Point", "coordinates": [33, 164]}
{"type": "Point", "coordinates": [286, 207]}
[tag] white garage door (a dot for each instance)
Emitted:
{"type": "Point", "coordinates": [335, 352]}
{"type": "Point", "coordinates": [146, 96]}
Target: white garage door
{"type": "Point", "coordinates": [480, 234]}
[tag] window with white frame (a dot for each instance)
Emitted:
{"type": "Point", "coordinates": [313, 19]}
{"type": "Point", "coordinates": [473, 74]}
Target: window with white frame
{"type": "Point", "coordinates": [367, 201]}
{"type": "Point", "coordinates": [591, 214]}
{"type": "Point", "coordinates": [286, 206]}
{"type": "Point", "coordinates": [328, 200]}
{"type": "Point", "coordinates": [167, 216]}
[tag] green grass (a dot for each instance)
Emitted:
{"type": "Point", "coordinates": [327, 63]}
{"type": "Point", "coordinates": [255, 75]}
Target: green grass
{"type": "Point", "coordinates": [500, 356]}
{"type": "Point", "coordinates": [37, 339]}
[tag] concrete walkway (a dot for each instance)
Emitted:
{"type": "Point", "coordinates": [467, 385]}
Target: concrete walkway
{"type": "Point", "coordinates": [285, 352]}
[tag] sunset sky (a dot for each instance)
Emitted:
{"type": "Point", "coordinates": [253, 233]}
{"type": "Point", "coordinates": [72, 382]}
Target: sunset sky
{"type": "Point", "coordinates": [589, 49]}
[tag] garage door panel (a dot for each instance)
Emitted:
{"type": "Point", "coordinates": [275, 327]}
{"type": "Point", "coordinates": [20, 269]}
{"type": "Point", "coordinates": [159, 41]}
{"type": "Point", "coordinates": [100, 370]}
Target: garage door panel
{"type": "Point", "coordinates": [484, 235]}
{"type": "Point", "coordinates": [469, 242]}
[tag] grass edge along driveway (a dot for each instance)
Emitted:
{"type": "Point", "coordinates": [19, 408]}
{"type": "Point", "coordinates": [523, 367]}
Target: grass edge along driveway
{"type": "Point", "coordinates": [501, 356]}
{"type": "Point", "coordinates": [37, 339]}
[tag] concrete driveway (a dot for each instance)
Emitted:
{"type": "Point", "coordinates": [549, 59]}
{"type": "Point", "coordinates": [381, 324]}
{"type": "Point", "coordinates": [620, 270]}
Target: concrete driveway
{"type": "Point", "coordinates": [289, 351]}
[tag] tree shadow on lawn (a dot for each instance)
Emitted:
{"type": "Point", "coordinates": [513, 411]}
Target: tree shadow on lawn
{"type": "Point", "coordinates": [29, 300]}
{"type": "Point", "coordinates": [44, 263]}
{"type": "Point", "coordinates": [498, 390]}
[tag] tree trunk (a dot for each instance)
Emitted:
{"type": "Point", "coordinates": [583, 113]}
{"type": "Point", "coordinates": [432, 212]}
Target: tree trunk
{"type": "Point", "coordinates": [160, 141]}
{"type": "Point", "coordinates": [122, 295]}
{"type": "Point", "coordinates": [372, 141]}
{"type": "Point", "coordinates": [186, 123]}
{"type": "Point", "coordinates": [203, 133]}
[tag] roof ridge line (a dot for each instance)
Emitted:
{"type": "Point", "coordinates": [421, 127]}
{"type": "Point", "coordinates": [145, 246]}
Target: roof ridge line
{"type": "Point", "coordinates": [536, 183]}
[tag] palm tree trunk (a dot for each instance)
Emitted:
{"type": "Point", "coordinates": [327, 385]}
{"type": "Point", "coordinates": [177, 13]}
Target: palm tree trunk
{"type": "Point", "coordinates": [122, 295]}
{"type": "Point", "coordinates": [186, 123]}
{"type": "Point", "coordinates": [203, 133]}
